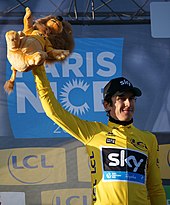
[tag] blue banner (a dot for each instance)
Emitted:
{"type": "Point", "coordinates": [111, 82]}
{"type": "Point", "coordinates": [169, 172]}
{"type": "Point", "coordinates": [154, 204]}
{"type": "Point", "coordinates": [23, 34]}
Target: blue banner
{"type": "Point", "coordinates": [77, 83]}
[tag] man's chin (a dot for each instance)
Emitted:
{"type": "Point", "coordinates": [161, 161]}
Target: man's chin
{"type": "Point", "coordinates": [126, 118]}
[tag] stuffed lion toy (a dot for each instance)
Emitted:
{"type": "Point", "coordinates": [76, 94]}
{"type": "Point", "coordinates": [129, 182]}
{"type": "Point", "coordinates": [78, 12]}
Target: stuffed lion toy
{"type": "Point", "coordinates": [48, 39]}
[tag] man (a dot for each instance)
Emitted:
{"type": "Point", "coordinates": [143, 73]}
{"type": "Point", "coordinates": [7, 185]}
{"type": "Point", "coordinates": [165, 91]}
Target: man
{"type": "Point", "coordinates": [124, 159]}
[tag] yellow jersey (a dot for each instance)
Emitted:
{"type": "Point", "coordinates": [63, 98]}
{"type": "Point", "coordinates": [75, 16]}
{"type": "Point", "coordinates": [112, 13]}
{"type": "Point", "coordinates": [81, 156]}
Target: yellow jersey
{"type": "Point", "coordinates": [123, 159]}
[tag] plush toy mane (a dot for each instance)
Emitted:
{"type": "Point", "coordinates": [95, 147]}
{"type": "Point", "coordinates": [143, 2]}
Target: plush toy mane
{"type": "Point", "coordinates": [63, 40]}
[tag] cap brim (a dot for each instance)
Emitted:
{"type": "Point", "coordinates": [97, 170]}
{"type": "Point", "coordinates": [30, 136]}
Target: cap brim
{"type": "Point", "coordinates": [136, 91]}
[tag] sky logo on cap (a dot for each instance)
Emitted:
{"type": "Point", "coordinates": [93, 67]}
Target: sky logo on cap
{"type": "Point", "coordinates": [125, 82]}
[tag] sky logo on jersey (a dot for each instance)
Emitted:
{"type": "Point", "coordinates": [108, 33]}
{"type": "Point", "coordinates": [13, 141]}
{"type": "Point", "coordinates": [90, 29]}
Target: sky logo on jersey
{"type": "Point", "coordinates": [77, 84]}
{"type": "Point", "coordinates": [123, 165]}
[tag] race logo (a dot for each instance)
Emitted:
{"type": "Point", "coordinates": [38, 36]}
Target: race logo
{"type": "Point", "coordinates": [35, 166]}
{"type": "Point", "coordinates": [78, 109]}
{"type": "Point", "coordinates": [123, 165]}
{"type": "Point", "coordinates": [77, 84]}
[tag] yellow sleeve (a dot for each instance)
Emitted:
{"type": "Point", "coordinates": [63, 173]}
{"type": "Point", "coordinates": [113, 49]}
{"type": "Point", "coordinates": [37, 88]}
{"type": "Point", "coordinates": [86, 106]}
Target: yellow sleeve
{"type": "Point", "coordinates": [80, 129]}
{"type": "Point", "coordinates": [154, 183]}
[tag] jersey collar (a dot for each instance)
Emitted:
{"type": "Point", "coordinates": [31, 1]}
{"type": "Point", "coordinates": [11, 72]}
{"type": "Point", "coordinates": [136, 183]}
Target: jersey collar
{"type": "Point", "coordinates": [116, 123]}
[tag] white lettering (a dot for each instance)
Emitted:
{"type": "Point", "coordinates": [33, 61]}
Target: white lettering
{"type": "Point", "coordinates": [75, 62]}
{"type": "Point", "coordinates": [19, 74]}
{"type": "Point", "coordinates": [115, 161]}
{"type": "Point", "coordinates": [119, 159]}
{"type": "Point", "coordinates": [89, 60]}
{"type": "Point", "coordinates": [74, 67]}
{"type": "Point", "coordinates": [23, 93]}
{"type": "Point", "coordinates": [98, 95]}
{"type": "Point", "coordinates": [111, 67]}
{"type": "Point", "coordinates": [122, 158]}
{"type": "Point", "coordinates": [125, 82]}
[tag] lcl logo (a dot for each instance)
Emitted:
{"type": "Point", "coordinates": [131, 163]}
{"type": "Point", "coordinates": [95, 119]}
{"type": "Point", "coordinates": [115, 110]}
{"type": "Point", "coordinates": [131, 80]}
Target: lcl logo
{"type": "Point", "coordinates": [67, 196]}
{"type": "Point", "coordinates": [37, 165]}
{"type": "Point", "coordinates": [30, 162]}
{"type": "Point", "coordinates": [20, 168]}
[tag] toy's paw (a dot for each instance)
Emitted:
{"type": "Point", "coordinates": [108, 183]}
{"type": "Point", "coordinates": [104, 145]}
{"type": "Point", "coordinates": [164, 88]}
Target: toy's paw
{"type": "Point", "coordinates": [60, 55]}
{"type": "Point", "coordinates": [28, 12]}
{"type": "Point", "coordinates": [37, 59]}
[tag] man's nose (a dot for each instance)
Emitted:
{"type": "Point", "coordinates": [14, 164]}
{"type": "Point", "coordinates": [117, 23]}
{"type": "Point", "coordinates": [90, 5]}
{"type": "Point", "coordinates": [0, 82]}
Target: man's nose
{"type": "Point", "coordinates": [127, 102]}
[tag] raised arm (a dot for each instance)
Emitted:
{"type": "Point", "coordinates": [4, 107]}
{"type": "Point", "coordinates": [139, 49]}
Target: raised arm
{"type": "Point", "coordinates": [80, 129]}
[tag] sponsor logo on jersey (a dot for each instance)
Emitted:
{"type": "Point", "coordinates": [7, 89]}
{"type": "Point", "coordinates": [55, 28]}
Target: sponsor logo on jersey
{"type": "Point", "coordinates": [123, 165]}
{"type": "Point", "coordinates": [110, 140]}
{"type": "Point", "coordinates": [139, 145]}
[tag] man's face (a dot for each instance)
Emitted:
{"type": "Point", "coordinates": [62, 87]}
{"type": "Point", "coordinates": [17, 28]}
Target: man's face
{"type": "Point", "coordinates": [122, 107]}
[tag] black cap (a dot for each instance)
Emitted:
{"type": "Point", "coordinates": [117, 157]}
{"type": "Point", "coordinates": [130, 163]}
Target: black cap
{"type": "Point", "coordinates": [120, 84]}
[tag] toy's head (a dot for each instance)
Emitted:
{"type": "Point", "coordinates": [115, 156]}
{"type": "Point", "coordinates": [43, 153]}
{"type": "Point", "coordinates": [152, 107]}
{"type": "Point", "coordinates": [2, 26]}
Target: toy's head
{"type": "Point", "coordinates": [49, 25]}
{"type": "Point", "coordinates": [59, 32]}
{"type": "Point", "coordinates": [12, 39]}
{"type": "Point", "coordinates": [55, 24]}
